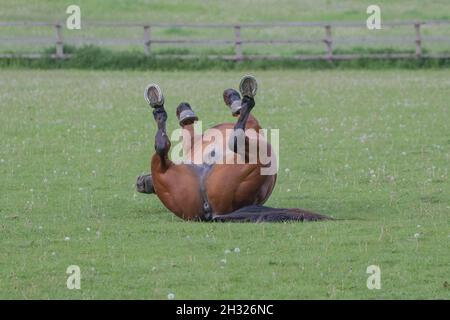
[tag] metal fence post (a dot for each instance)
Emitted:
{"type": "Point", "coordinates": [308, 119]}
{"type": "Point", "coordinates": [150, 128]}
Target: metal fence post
{"type": "Point", "coordinates": [418, 40]}
{"type": "Point", "coordinates": [59, 42]}
{"type": "Point", "coordinates": [328, 42]}
{"type": "Point", "coordinates": [147, 40]}
{"type": "Point", "coordinates": [237, 43]}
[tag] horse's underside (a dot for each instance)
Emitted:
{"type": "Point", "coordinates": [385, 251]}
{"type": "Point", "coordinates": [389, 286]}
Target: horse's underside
{"type": "Point", "coordinates": [249, 213]}
{"type": "Point", "coordinates": [216, 191]}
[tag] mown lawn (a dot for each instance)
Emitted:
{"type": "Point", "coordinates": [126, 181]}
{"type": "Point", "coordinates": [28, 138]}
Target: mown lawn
{"type": "Point", "coordinates": [368, 147]}
{"type": "Point", "coordinates": [36, 39]}
{"type": "Point", "coordinates": [220, 11]}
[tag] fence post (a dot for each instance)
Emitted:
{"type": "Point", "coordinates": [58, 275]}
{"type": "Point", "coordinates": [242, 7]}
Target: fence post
{"type": "Point", "coordinates": [237, 43]}
{"type": "Point", "coordinates": [329, 42]}
{"type": "Point", "coordinates": [147, 40]}
{"type": "Point", "coordinates": [59, 42]}
{"type": "Point", "coordinates": [418, 40]}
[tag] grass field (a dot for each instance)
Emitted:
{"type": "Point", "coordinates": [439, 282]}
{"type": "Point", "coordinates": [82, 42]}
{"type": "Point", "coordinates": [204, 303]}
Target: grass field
{"type": "Point", "coordinates": [233, 11]}
{"type": "Point", "coordinates": [368, 147]}
{"type": "Point", "coordinates": [189, 11]}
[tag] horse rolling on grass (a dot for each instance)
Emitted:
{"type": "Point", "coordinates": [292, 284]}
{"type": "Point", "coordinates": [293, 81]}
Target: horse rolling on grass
{"type": "Point", "coordinates": [217, 180]}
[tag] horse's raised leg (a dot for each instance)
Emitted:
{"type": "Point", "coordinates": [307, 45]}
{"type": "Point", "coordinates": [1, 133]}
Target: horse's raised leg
{"type": "Point", "coordinates": [187, 118]}
{"type": "Point", "coordinates": [232, 99]}
{"type": "Point", "coordinates": [242, 108]}
{"type": "Point", "coordinates": [155, 99]}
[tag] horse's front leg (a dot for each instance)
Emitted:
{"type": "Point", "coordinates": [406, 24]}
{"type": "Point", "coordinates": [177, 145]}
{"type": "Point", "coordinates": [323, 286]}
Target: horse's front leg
{"type": "Point", "coordinates": [155, 99]}
{"type": "Point", "coordinates": [187, 118]}
{"type": "Point", "coordinates": [162, 141]}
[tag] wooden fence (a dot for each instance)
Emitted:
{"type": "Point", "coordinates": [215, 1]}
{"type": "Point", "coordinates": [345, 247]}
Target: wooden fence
{"type": "Point", "coordinates": [148, 42]}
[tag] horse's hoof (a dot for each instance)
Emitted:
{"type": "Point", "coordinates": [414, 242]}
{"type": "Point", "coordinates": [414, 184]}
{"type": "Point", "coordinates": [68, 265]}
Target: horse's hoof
{"type": "Point", "coordinates": [153, 95]}
{"type": "Point", "coordinates": [233, 100]}
{"type": "Point", "coordinates": [144, 184]}
{"type": "Point", "coordinates": [185, 114]}
{"type": "Point", "coordinates": [248, 86]}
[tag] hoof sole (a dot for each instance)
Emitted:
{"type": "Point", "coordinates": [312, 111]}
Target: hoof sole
{"type": "Point", "coordinates": [248, 86]}
{"type": "Point", "coordinates": [153, 95]}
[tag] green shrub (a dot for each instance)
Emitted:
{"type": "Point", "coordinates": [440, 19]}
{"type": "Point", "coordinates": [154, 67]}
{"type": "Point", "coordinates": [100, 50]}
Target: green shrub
{"type": "Point", "coordinates": [94, 57]}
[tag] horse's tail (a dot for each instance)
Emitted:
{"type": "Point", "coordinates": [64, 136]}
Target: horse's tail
{"type": "Point", "coordinates": [256, 213]}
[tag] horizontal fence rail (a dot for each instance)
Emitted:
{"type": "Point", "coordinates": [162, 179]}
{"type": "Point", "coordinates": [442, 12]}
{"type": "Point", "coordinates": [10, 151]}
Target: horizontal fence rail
{"type": "Point", "coordinates": [329, 40]}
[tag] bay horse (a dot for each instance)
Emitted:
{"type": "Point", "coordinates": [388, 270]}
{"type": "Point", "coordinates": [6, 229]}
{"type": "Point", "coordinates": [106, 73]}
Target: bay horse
{"type": "Point", "coordinates": [216, 181]}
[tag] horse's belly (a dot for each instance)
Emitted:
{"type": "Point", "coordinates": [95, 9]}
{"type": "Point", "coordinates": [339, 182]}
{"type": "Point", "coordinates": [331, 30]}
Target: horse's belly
{"type": "Point", "coordinates": [230, 187]}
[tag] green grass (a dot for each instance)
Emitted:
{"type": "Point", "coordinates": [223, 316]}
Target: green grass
{"type": "Point", "coordinates": [368, 147]}
{"type": "Point", "coordinates": [233, 11]}
{"type": "Point", "coordinates": [189, 11]}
